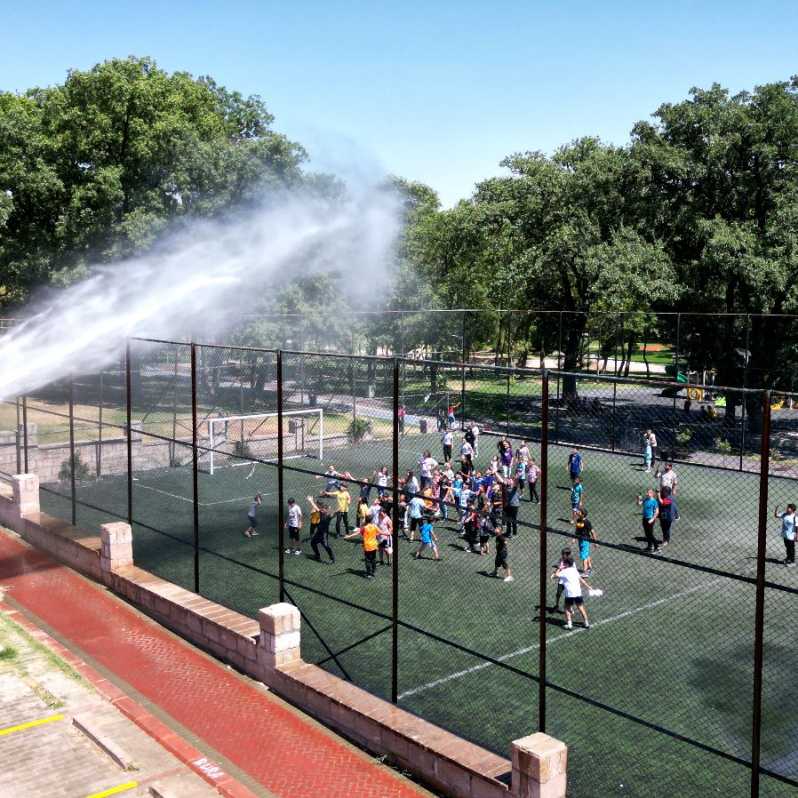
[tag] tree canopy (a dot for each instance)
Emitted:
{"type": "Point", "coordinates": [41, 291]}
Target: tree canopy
{"type": "Point", "coordinates": [94, 169]}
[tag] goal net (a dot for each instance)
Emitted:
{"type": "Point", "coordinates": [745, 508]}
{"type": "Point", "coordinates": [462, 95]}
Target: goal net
{"type": "Point", "coordinates": [239, 440]}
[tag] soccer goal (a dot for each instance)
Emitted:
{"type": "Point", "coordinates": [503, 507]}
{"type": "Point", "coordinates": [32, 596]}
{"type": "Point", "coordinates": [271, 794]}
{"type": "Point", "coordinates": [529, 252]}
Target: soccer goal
{"type": "Point", "coordinates": [238, 440]}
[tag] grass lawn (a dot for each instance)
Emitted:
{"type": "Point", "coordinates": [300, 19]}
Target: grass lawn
{"type": "Point", "coordinates": [669, 644]}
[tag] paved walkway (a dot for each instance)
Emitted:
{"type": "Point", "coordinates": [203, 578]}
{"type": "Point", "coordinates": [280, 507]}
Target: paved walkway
{"type": "Point", "coordinates": [240, 726]}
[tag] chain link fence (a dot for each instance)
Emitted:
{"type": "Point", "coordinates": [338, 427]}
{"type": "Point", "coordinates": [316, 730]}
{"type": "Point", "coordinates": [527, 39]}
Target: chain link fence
{"type": "Point", "coordinates": [497, 493]}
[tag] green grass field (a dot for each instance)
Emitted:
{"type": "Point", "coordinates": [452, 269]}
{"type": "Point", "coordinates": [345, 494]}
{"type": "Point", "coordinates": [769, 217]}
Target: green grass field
{"type": "Point", "coordinates": [671, 645]}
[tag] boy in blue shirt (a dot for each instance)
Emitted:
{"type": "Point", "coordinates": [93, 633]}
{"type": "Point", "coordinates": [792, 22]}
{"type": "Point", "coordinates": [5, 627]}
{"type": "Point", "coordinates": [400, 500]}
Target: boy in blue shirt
{"type": "Point", "coordinates": [428, 538]}
{"type": "Point", "coordinates": [575, 465]}
{"type": "Point", "coordinates": [576, 499]}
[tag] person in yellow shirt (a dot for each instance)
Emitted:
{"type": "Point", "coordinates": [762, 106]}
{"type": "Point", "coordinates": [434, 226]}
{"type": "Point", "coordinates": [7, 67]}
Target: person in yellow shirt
{"type": "Point", "coordinates": [344, 499]}
{"type": "Point", "coordinates": [369, 533]}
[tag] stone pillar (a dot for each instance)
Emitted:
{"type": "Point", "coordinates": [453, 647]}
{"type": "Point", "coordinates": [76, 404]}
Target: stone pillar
{"type": "Point", "coordinates": [117, 546]}
{"type": "Point", "coordinates": [539, 767]}
{"type": "Point", "coordinates": [26, 493]}
{"type": "Point", "coordinates": [278, 643]}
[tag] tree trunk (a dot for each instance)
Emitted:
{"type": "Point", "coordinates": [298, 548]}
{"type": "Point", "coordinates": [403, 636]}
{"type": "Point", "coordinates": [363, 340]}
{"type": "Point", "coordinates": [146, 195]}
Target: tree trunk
{"type": "Point", "coordinates": [573, 339]}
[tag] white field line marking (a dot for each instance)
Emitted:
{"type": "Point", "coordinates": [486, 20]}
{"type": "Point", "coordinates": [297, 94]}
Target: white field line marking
{"type": "Point", "coordinates": [201, 504]}
{"type": "Point", "coordinates": [626, 614]}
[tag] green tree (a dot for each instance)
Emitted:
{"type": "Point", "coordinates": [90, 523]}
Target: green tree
{"type": "Point", "coordinates": [722, 173]}
{"type": "Point", "coordinates": [94, 169]}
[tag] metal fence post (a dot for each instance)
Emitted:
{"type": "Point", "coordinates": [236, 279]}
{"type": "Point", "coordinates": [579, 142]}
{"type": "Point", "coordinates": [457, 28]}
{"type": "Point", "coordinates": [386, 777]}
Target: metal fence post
{"type": "Point", "coordinates": [195, 463]}
{"type": "Point", "coordinates": [280, 486]}
{"type": "Point", "coordinates": [129, 427]}
{"type": "Point", "coordinates": [759, 613]}
{"type": "Point", "coordinates": [543, 565]}
{"type": "Point", "coordinates": [72, 458]}
{"type": "Point", "coordinates": [745, 385]}
{"type": "Point", "coordinates": [25, 432]}
{"type": "Point", "coordinates": [395, 522]}
{"type": "Point", "coordinates": [614, 432]}
{"type": "Point", "coordinates": [462, 372]}
{"type": "Point", "coordinates": [99, 468]}
{"type": "Point", "coordinates": [17, 438]}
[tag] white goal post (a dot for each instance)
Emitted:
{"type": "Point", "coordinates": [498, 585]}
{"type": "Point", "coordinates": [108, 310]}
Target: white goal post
{"type": "Point", "coordinates": [238, 440]}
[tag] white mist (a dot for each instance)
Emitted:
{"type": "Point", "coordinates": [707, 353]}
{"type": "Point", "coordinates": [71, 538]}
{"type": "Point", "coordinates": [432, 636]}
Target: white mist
{"type": "Point", "coordinates": [196, 279]}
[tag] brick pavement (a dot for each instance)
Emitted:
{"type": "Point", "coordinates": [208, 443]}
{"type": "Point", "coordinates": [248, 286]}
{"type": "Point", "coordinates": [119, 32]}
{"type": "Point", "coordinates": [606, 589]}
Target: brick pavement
{"type": "Point", "coordinates": [275, 745]}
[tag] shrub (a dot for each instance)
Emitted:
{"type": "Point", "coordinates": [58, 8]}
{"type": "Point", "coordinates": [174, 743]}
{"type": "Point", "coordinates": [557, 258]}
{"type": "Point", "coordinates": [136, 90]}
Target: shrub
{"type": "Point", "coordinates": [82, 471]}
{"type": "Point", "coordinates": [358, 429]}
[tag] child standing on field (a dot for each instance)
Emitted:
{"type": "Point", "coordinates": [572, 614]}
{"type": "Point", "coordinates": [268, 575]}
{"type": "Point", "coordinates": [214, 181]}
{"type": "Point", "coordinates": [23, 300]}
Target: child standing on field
{"type": "Point", "coordinates": [363, 511]}
{"type": "Point", "coordinates": [572, 583]}
{"type": "Point", "coordinates": [294, 525]}
{"type": "Point", "coordinates": [585, 534]}
{"type": "Point", "coordinates": [576, 499]}
{"type": "Point", "coordinates": [428, 539]}
{"type": "Point", "coordinates": [502, 559]}
{"type": "Point", "coordinates": [369, 534]}
{"type": "Point", "coordinates": [251, 530]}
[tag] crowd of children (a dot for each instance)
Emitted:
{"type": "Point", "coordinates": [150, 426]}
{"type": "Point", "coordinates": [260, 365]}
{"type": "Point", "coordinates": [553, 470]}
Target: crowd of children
{"type": "Point", "coordinates": [483, 503]}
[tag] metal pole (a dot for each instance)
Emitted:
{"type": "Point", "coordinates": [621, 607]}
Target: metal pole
{"type": "Point", "coordinates": [72, 458]}
{"type": "Point", "coordinates": [559, 395]}
{"type": "Point", "coordinates": [676, 359]}
{"type": "Point", "coordinates": [195, 463]}
{"type": "Point", "coordinates": [280, 486]}
{"type": "Point", "coordinates": [19, 449]}
{"type": "Point", "coordinates": [395, 521]}
{"type": "Point", "coordinates": [745, 385]}
{"type": "Point", "coordinates": [614, 423]}
{"type": "Point", "coordinates": [25, 432]}
{"type": "Point", "coordinates": [543, 561]}
{"type": "Point", "coordinates": [129, 426]}
{"type": "Point", "coordinates": [354, 389]}
{"type": "Point", "coordinates": [462, 371]}
{"type": "Point", "coordinates": [100, 431]}
{"type": "Point", "coordinates": [759, 613]}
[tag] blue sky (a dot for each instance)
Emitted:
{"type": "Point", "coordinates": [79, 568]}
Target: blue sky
{"type": "Point", "coordinates": [437, 91]}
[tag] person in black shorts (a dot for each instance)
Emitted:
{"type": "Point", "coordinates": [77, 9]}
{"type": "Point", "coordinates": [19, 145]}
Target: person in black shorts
{"type": "Point", "coordinates": [502, 557]}
{"type": "Point", "coordinates": [321, 534]}
{"type": "Point", "coordinates": [251, 530]}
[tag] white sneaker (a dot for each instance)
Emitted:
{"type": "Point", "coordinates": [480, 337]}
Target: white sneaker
{"type": "Point", "coordinates": [288, 551]}
{"type": "Point", "coordinates": [509, 579]}
{"type": "Point", "coordinates": [297, 552]}
{"type": "Point", "coordinates": [587, 624]}
{"type": "Point", "coordinates": [569, 626]}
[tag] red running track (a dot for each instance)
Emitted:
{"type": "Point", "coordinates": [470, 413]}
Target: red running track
{"type": "Point", "coordinates": [275, 745]}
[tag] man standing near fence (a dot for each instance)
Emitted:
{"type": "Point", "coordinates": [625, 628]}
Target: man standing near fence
{"type": "Point", "coordinates": [788, 521]}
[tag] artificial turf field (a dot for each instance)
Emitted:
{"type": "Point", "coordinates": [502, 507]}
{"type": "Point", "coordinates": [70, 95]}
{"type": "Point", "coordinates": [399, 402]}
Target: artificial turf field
{"type": "Point", "coordinates": [669, 644]}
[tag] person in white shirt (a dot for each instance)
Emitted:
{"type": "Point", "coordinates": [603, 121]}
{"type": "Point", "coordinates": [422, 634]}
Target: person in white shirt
{"type": "Point", "coordinates": [447, 439]}
{"type": "Point", "coordinates": [652, 442]}
{"type": "Point", "coordinates": [427, 464]}
{"type": "Point", "coordinates": [475, 433]}
{"type": "Point", "coordinates": [293, 524]}
{"type": "Point", "coordinates": [668, 479]}
{"type": "Point", "coordinates": [788, 522]}
{"type": "Point", "coordinates": [467, 457]}
{"type": "Point", "coordinates": [568, 576]}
